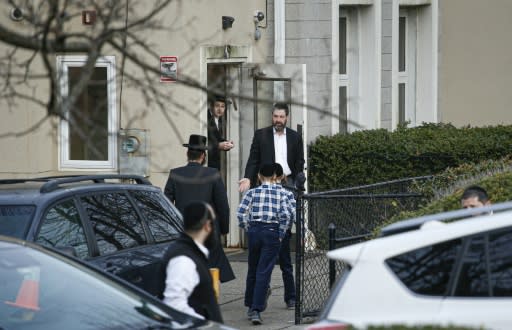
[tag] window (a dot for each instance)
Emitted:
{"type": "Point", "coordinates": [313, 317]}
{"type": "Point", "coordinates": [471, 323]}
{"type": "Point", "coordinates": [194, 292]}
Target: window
{"type": "Point", "coordinates": [500, 259]}
{"type": "Point", "coordinates": [61, 227]}
{"type": "Point", "coordinates": [355, 66]}
{"type": "Point", "coordinates": [427, 270]}
{"type": "Point", "coordinates": [114, 221]}
{"type": "Point", "coordinates": [407, 65]}
{"type": "Point", "coordinates": [15, 219]}
{"type": "Point", "coordinates": [473, 280]}
{"type": "Point", "coordinates": [88, 134]}
{"type": "Point", "coordinates": [163, 220]}
{"type": "Point", "coordinates": [347, 63]}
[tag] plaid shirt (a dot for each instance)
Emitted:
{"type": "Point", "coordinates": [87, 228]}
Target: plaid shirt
{"type": "Point", "coordinates": [267, 203]}
{"type": "Point", "coordinates": [292, 203]}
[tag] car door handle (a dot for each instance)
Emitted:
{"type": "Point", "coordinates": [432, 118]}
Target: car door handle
{"type": "Point", "coordinates": [112, 269]}
{"type": "Point", "coordinates": [136, 279]}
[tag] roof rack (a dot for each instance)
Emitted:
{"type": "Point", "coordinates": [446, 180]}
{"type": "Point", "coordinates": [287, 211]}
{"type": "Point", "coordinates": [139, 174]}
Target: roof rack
{"type": "Point", "coordinates": [416, 223]}
{"type": "Point", "coordinates": [38, 179]}
{"type": "Point", "coordinates": [14, 181]}
{"type": "Point", "coordinates": [54, 183]}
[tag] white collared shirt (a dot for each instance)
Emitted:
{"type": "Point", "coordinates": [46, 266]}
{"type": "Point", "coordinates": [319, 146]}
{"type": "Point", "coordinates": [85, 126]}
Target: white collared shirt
{"type": "Point", "coordinates": [281, 151]}
{"type": "Point", "coordinates": [184, 279]}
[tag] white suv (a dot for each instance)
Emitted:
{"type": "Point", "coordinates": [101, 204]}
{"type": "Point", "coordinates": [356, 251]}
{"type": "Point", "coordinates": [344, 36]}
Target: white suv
{"type": "Point", "coordinates": [429, 270]}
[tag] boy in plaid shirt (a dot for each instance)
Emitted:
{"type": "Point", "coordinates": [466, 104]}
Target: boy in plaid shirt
{"type": "Point", "coordinates": [285, 259]}
{"type": "Point", "coordinates": [265, 213]}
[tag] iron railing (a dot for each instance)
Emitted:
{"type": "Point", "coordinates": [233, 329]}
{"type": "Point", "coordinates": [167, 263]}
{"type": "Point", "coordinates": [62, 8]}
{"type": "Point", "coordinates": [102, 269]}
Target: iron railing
{"type": "Point", "coordinates": [354, 213]}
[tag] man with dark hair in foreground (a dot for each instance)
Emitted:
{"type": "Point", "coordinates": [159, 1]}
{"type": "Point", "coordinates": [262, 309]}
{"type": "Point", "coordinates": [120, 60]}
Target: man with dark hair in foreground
{"type": "Point", "coordinates": [188, 283]}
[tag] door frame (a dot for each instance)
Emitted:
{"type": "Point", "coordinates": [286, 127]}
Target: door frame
{"type": "Point", "coordinates": [241, 56]}
{"type": "Point", "coordinates": [227, 55]}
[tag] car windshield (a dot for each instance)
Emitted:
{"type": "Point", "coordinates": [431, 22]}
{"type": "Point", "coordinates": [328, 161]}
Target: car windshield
{"type": "Point", "coordinates": [15, 219]}
{"type": "Point", "coordinates": [39, 291]}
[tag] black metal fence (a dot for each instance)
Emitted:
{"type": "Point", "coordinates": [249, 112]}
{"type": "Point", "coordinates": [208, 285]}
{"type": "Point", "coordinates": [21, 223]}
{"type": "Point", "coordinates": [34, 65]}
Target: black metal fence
{"type": "Point", "coordinates": [353, 214]}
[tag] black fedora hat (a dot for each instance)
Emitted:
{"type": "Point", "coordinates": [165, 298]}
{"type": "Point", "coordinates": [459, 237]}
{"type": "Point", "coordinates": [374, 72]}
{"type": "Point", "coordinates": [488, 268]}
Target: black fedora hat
{"type": "Point", "coordinates": [196, 142]}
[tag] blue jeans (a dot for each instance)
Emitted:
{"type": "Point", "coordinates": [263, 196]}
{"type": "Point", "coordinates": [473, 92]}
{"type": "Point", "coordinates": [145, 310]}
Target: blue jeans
{"type": "Point", "coordinates": [285, 263]}
{"type": "Point", "coordinates": [263, 250]}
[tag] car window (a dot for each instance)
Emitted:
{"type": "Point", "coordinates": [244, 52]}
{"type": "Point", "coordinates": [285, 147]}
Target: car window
{"type": "Point", "coordinates": [39, 291]}
{"type": "Point", "coordinates": [427, 270]}
{"type": "Point", "coordinates": [61, 227]}
{"type": "Point", "coordinates": [164, 221]}
{"type": "Point", "coordinates": [114, 221]}
{"type": "Point", "coordinates": [473, 280]}
{"type": "Point", "coordinates": [15, 219]}
{"type": "Point", "coordinates": [500, 258]}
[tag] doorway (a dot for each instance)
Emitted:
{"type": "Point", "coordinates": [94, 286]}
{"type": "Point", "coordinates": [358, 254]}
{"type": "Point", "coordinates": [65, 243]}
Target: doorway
{"type": "Point", "coordinates": [250, 90]}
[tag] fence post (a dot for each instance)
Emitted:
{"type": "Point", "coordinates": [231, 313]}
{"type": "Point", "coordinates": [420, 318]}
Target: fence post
{"type": "Point", "coordinates": [299, 261]}
{"type": "Point", "coordinates": [332, 246]}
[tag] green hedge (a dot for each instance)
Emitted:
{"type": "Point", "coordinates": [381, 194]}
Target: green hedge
{"type": "Point", "coordinates": [371, 156]}
{"type": "Point", "coordinates": [445, 190]}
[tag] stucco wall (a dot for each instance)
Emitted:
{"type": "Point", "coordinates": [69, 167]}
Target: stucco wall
{"type": "Point", "coordinates": [190, 25]}
{"type": "Point", "coordinates": [308, 40]}
{"type": "Point", "coordinates": [475, 62]}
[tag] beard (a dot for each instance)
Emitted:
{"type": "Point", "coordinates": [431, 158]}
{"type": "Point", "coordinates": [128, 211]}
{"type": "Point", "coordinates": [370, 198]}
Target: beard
{"type": "Point", "coordinates": [279, 127]}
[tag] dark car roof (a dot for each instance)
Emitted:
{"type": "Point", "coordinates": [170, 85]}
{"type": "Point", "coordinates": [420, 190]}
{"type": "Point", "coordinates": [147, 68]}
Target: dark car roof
{"type": "Point", "coordinates": [32, 190]}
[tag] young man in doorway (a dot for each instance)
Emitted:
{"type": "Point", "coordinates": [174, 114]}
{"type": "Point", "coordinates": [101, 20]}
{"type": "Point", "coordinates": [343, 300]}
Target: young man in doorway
{"type": "Point", "coordinates": [216, 132]}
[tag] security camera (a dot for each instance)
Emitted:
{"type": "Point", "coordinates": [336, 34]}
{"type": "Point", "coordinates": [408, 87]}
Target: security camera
{"type": "Point", "coordinates": [227, 22]}
{"type": "Point", "coordinates": [16, 14]}
{"type": "Point", "coordinates": [258, 16]}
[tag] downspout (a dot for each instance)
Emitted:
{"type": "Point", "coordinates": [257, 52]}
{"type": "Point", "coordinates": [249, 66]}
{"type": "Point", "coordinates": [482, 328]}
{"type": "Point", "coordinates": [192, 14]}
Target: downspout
{"type": "Point", "coordinates": [279, 32]}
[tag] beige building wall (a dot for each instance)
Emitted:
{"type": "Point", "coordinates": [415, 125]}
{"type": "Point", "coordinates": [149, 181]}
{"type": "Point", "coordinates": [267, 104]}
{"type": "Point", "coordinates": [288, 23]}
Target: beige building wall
{"type": "Point", "coordinates": [195, 24]}
{"type": "Point", "coordinates": [475, 62]}
{"type": "Point", "coordinates": [28, 137]}
{"type": "Point", "coordinates": [31, 142]}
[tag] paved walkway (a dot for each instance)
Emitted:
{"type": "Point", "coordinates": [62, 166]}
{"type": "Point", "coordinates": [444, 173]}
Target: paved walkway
{"type": "Point", "coordinates": [276, 316]}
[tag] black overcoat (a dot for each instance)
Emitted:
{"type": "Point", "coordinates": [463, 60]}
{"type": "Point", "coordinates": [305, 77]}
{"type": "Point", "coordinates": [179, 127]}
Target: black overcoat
{"type": "Point", "coordinates": [194, 182]}
{"type": "Point", "coordinates": [263, 152]}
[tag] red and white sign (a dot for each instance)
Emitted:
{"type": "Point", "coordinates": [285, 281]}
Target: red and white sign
{"type": "Point", "coordinates": [168, 68]}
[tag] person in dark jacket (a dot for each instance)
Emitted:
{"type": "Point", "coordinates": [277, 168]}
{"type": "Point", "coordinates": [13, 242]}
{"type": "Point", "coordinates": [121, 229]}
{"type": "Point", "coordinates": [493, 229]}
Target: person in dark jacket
{"type": "Point", "coordinates": [275, 144]}
{"type": "Point", "coordinates": [196, 182]}
{"type": "Point", "coordinates": [216, 132]}
{"type": "Point", "coordinates": [188, 283]}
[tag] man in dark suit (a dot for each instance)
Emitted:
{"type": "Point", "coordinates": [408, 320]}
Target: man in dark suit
{"type": "Point", "coordinates": [216, 130]}
{"type": "Point", "coordinates": [194, 182]}
{"type": "Point", "coordinates": [275, 144]}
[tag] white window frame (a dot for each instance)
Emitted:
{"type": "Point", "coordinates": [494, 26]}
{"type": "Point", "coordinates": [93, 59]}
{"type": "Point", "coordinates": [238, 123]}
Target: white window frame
{"type": "Point", "coordinates": [362, 78]}
{"type": "Point", "coordinates": [425, 80]}
{"type": "Point", "coordinates": [408, 77]}
{"type": "Point", "coordinates": [63, 63]}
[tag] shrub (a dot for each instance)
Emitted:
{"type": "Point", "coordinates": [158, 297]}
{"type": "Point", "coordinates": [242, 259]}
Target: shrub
{"type": "Point", "coordinates": [445, 190]}
{"type": "Point", "coordinates": [372, 156]}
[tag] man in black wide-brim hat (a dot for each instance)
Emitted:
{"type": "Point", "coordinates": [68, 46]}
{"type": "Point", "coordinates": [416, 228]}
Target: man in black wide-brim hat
{"type": "Point", "coordinates": [194, 182]}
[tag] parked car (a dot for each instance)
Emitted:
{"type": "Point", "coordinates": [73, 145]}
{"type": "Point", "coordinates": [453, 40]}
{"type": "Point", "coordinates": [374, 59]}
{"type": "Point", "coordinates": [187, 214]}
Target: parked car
{"type": "Point", "coordinates": [122, 224]}
{"type": "Point", "coordinates": [449, 268]}
{"type": "Point", "coordinates": [45, 289]}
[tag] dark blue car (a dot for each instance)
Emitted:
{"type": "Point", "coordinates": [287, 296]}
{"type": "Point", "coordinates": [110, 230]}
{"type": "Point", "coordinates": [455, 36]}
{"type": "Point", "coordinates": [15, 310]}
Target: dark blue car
{"type": "Point", "coordinates": [121, 224]}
